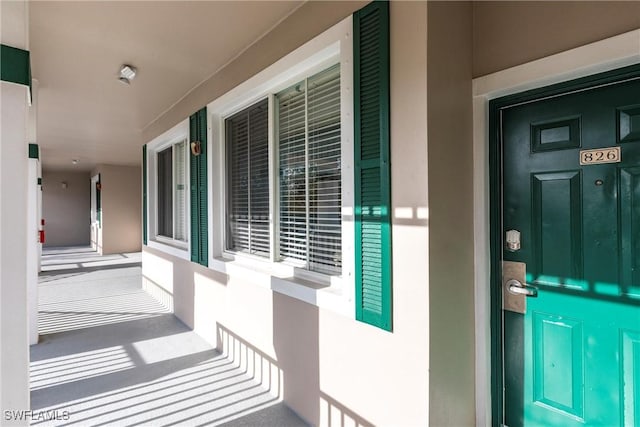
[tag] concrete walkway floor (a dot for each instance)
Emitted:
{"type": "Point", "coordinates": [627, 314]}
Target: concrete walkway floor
{"type": "Point", "coordinates": [109, 354]}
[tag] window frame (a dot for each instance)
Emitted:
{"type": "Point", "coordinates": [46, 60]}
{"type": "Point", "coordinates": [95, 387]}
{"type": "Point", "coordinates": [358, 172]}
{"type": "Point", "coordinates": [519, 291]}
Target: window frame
{"type": "Point", "coordinates": [227, 192]}
{"type": "Point", "coordinates": [279, 257]}
{"type": "Point", "coordinates": [334, 46]}
{"type": "Point", "coordinates": [175, 135]}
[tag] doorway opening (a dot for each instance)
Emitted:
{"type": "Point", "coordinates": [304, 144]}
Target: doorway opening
{"type": "Point", "coordinates": [564, 215]}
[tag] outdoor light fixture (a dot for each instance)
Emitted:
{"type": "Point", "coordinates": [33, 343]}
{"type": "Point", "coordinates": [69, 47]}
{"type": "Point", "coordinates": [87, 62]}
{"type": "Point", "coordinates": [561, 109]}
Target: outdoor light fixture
{"type": "Point", "coordinates": [75, 161]}
{"type": "Point", "coordinates": [127, 73]}
{"type": "Point", "coordinates": [196, 148]}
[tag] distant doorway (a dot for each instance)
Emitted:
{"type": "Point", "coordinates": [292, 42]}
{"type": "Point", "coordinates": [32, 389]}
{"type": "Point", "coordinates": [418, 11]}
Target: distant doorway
{"type": "Point", "coordinates": [96, 214]}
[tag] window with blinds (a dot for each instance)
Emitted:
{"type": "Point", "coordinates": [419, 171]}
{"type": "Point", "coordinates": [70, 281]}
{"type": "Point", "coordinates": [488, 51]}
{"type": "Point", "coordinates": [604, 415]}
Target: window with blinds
{"type": "Point", "coordinates": [247, 149]}
{"type": "Point", "coordinates": [180, 191]}
{"type": "Point", "coordinates": [309, 154]}
{"type": "Point", "coordinates": [171, 186]}
{"type": "Point", "coordinates": [165, 195]}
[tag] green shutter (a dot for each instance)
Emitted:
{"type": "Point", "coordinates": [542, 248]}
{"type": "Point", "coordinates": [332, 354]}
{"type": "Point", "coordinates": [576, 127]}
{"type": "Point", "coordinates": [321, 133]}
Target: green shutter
{"type": "Point", "coordinates": [16, 65]}
{"type": "Point", "coordinates": [198, 177]}
{"type": "Point", "coordinates": [372, 165]}
{"type": "Point", "coordinates": [144, 194]}
{"type": "Point", "coordinates": [99, 202]}
{"type": "Point", "coordinates": [34, 151]}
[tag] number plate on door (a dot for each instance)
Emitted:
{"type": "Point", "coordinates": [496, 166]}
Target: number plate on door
{"type": "Point", "coordinates": [600, 155]}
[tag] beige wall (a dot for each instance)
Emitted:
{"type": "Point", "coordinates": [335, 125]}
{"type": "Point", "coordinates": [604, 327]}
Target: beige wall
{"type": "Point", "coordinates": [332, 366]}
{"type": "Point", "coordinates": [301, 26]}
{"type": "Point", "coordinates": [450, 124]}
{"type": "Point", "coordinates": [423, 372]}
{"type": "Point", "coordinates": [67, 211]}
{"type": "Point", "coordinates": [512, 33]}
{"type": "Point", "coordinates": [121, 201]}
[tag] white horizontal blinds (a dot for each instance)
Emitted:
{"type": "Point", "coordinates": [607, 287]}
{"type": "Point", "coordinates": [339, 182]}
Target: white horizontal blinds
{"type": "Point", "coordinates": [180, 191]}
{"type": "Point", "coordinates": [237, 135]}
{"type": "Point", "coordinates": [325, 224]}
{"type": "Point", "coordinates": [165, 193]}
{"type": "Point", "coordinates": [259, 178]}
{"type": "Point", "coordinates": [310, 172]}
{"type": "Point", "coordinates": [292, 174]}
{"type": "Point", "coordinates": [248, 180]}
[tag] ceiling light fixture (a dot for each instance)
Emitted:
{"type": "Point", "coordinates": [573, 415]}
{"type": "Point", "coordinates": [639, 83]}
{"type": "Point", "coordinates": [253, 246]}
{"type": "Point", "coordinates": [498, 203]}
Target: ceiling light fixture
{"type": "Point", "coordinates": [127, 73]}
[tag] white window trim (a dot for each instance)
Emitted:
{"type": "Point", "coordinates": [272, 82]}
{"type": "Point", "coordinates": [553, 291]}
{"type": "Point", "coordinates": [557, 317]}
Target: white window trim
{"type": "Point", "coordinates": [177, 248]}
{"type": "Point", "coordinates": [331, 292]}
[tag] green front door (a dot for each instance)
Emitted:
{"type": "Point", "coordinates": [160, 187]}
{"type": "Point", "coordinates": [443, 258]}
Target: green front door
{"type": "Point", "coordinates": [572, 218]}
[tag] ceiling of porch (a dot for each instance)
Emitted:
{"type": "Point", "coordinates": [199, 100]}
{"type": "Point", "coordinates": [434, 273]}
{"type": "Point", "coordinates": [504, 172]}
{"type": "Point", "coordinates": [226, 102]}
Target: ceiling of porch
{"type": "Point", "coordinates": [77, 49]}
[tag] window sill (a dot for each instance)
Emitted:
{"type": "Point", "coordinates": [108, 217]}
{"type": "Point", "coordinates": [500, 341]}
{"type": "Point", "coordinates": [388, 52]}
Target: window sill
{"type": "Point", "coordinates": [177, 251]}
{"type": "Point", "coordinates": [281, 280]}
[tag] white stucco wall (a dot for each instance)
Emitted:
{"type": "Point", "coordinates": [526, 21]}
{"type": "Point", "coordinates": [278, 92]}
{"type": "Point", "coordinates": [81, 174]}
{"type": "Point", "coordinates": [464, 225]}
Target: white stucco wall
{"type": "Point", "coordinates": [33, 246]}
{"type": "Point", "coordinates": [14, 344]}
{"type": "Point", "coordinates": [333, 366]}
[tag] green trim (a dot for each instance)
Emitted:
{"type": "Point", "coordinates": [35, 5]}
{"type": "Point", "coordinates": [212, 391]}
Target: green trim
{"type": "Point", "coordinates": [39, 181]}
{"type": "Point", "coordinates": [199, 189]}
{"type": "Point", "coordinates": [495, 236]}
{"type": "Point", "coordinates": [495, 195]}
{"type": "Point", "coordinates": [34, 151]}
{"type": "Point", "coordinates": [144, 194]}
{"type": "Point", "coordinates": [373, 273]}
{"type": "Point", "coordinates": [99, 203]}
{"type": "Point", "coordinates": [15, 65]}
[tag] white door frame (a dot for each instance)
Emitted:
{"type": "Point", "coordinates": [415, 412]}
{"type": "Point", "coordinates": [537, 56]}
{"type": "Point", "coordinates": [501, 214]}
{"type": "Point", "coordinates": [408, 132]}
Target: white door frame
{"type": "Point", "coordinates": [594, 58]}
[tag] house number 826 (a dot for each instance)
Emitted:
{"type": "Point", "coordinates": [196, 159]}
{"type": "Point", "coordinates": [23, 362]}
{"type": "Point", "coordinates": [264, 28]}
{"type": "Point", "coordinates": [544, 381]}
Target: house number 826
{"type": "Point", "coordinates": [600, 155]}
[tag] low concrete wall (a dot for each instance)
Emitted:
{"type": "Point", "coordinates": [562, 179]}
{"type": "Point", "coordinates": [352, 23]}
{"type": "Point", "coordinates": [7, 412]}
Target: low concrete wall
{"type": "Point", "coordinates": [332, 370]}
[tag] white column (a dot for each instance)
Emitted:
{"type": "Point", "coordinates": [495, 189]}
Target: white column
{"type": "Point", "coordinates": [41, 226]}
{"type": "Point", "coordinates": [33, 139]}
{"type": "Point", "coordinates": [33, 246]}
{"type": "Point", "coordinates": [94, 215]}
{"type": "Point", "coordinates": [34, 215]}
{"type": "Point", "coordinates": [14, 343]}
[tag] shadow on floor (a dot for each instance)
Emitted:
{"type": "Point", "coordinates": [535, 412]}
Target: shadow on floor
{"type": "Point", "coordinates": [74, 258]}
{"type": "Point", "coordinates": [276, 415]}
{"type": "Point", "coordinates": [109, 354]}
{"type": "Point", "coordinates": [93, 297]}
{"type": "Point", "coordinates": [76, 271]}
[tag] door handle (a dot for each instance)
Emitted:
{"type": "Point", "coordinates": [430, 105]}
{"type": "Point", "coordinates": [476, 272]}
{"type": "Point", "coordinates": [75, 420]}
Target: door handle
{"type": "Point", "coordinates": [516, 287]}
